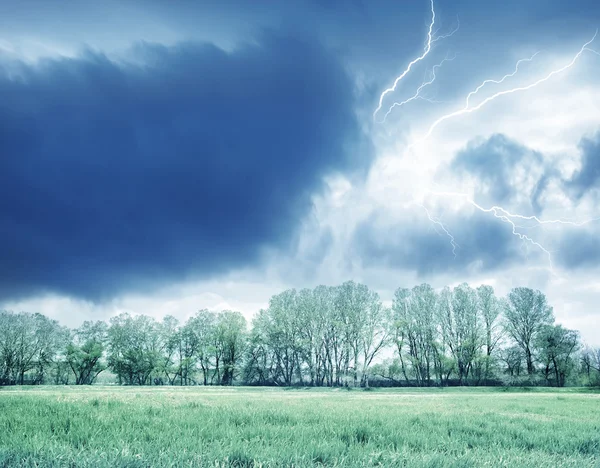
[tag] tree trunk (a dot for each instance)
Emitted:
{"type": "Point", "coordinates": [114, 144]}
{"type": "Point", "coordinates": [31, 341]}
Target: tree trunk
{"type": "Point", "coordinates": [529, 358]}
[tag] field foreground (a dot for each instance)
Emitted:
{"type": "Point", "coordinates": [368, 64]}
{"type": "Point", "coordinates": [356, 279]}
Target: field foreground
{"type": "Point", "coordinates": [197, 426]}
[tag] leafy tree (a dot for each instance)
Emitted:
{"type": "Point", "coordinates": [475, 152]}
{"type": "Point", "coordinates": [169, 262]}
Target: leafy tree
{"type": "Point", "coordinates": [330, 335]}
{"type": "Point", "coordinates": [200, 330]}
{"type": "Point", "coordinates": [490, 308]}
{"type": "Point", "coordinates": [260, 361]}
{"type": "Point", "coordinates": [414, 314]}
{"type": "Point", "coordinates": [461, 327]}
{"type": "Point", "coordinates": [557, 345]}
{"type": "Point", "coordinates": [284, 336]}
{"type": "Point", "coordinates": [85, 351]}
{"type": "Point", "coordinates": [311, 327]}
{"type": "Point", "coordinates": [230, 340]}
{"type": "Point", "coordinates": [590, 363]}
{"type": "Point", "coordinates": [353, 303]}
{"type": "Point", "coordinates": [134, 348]}
{"type": "Point", "coordinates": [527, 312]}
{"type": "Point", "coordinates": [513, 359]}
{"type": "Point", "coordinates": [29, 345]}
{"type": "Point", "coordinates": [375, 335]}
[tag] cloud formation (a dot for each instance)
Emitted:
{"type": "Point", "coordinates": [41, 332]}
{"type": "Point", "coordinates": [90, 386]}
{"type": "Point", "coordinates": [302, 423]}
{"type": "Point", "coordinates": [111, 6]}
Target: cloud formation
{"type": "Point", "coordinates": [587, 178]}
{"type": "Point", "coordinates": [580, 249]}
{"type": "Point", "coordinates": [495, 171]}
{"type": "Point", "coordinates": [485, 244]}
{"type": "Point", "coordinates": [188, 161]}
{"type": "Point", "coordinates": [500, 166]}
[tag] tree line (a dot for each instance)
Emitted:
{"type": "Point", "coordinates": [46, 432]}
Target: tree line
{"type": "Point", "coordinates": [326, 336]}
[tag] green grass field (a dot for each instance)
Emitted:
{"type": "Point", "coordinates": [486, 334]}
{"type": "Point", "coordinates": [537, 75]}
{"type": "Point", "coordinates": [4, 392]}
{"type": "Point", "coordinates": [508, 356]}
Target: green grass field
{"type": "Point", "coordinates": [166, 426]}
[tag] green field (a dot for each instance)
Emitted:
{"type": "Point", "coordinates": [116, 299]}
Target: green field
{"type": "Point", "coordinates": [198, 426]}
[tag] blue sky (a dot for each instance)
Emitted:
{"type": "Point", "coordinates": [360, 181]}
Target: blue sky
{"type": "Point", "coordinates": [162, 157]}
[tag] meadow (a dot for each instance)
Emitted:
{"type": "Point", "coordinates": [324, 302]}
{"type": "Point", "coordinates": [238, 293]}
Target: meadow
{"type": "Point", "coordinates": [263, 427]}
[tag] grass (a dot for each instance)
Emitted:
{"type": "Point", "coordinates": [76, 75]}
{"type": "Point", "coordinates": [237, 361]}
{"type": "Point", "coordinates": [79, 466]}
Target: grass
{"type": "Point", "coordinates": [246, 427]}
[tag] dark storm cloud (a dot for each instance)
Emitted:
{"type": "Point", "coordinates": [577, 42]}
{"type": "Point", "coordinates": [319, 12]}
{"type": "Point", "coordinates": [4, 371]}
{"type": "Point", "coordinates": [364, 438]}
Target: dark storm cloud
{"type": "Point", "coordinates": [378, 37]}
{"type": "Point", "coordinates": [484, 244]}
{"type": "Point", "coordinates": [494, 161]}
{"type": "Point", "coordinates": [580, 249]}
{"type": "Point", "coordinates": [588, 176]}
{"type": "Point", "coordinates": [115, 176]}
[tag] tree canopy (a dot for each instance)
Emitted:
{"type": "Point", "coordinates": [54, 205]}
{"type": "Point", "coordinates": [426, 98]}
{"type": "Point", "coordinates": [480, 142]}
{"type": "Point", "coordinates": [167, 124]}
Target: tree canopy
{"type": "Point", "coordinates": [327, 336]}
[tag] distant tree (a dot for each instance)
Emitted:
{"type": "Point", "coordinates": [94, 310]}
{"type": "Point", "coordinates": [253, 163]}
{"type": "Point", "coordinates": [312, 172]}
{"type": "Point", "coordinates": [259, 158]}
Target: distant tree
{"type": "Point", "coordinates": [336, 349]}
{"type": "Point", "coordinates": [29, 345]}
{"type": "Point", "coordinates": [490, 308]}
{"type": "Point", "coordinates": [461, 327]}
{"type": "Point", "coordinates": [513, 358]}
{"type": "Point", "coordinates": [527, 312]}
{"type": "Point", "coordinates": [48, 344]}
{"type": "Point", "coordinates": [415, 332]}
{"type": "Point", "coordinates": [326, 333]}
{"type": "Point", "coordinates": [170, 361]}
{"type": "Point", "coordinates": [557, 345]}
{"type": "Point", "coordinates": [596, 359]}
{"type": "Point", "coordinates": [84, 353]}
{"type": "Point", "coordinates": [8, 347]}
{"type": "Point", "coordinates": [259, 368]}
{"type": "Point", "coordinates": [326, 336]}
{"type": "Point", "coordinates": [353, 304]}
{"type": "Point", "coordinates": [375, 334]}
{"type": "Point", "coordinates": [200, 333]}
{"type": "Point", "coordinates": [389, 370]}
{"type": "Point", "coordinates": [282, 332]}
{"type": "Point", "coordinates": [311, 324]}
{"type": "Point", "coordinates": [135, 349]}
{"type": "Point", "coordinates": [590, 365]}
{"type": "Point", "coordinates": [230, 339]}
{"type": "Point", "coordinates": [399, 326]}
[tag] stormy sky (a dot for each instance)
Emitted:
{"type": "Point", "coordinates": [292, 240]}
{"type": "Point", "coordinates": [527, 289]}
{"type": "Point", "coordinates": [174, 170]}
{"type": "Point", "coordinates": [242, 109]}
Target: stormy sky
{"type": "Point", "coordinates": [162, 157]}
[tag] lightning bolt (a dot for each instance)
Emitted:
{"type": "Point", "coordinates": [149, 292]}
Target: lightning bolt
{"type": "Point", "coordinates": [451, 33]}
{"type": "Point", "coordinates": [437, 222]}
{"type": "Point", "coordinates": [467, 109]}
{"type": "Point", "coordinates": [430, 40]}
{"type": "Point", "coordinates": [501, 213]}
{"type": "Point", "coordinates": [497, 211]}
{"type": "Point", "coordinates": [500, 81]}
{"type": "Point", "coordinates": [592, 50]}
{"type": "Point", "coordinates": [417, 94]}
{"type": "Point", "coordinates": [507, 217]}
